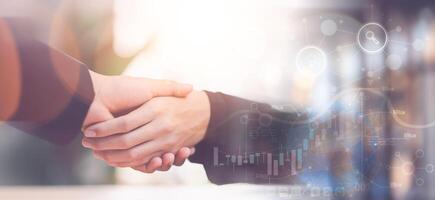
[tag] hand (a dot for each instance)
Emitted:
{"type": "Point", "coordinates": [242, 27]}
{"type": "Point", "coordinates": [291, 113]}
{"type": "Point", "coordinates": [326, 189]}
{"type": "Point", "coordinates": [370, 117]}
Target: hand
{"type": "Point", "coordinates": [163, 124]}
{"type": "Point", "coordinates": [117, 94]}
{"type": "Point", "coordinates": [166, 161]}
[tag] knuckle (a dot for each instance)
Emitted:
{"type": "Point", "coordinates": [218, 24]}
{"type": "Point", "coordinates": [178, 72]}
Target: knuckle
{"type": "Point", "coordinates": [124, 142]}
{"type": "Point", "coordinates": [124, 124]}
{"type": "Point", "coordinates": [166, 129]}
{"type": "Point", "coordinates": [167, 126]}
{"type": "Point", "coordinates": [132, 155]}
{"type": "Point", "coordinates": [170, 144]}
{"type": "Point", "coordinates": [166, 146]}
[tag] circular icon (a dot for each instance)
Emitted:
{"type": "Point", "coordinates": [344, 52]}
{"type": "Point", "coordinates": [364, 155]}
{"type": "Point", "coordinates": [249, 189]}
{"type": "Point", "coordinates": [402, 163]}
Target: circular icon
{"type": "Point", "coordinates": [408, 168]}
{"type": "Point", "coordinates": [328, 27]}
{"type": "Point", "coordinates": [372, 37]}
{"type": "Point", "coordinates": [265, 120]}
{"type": "Point", "coordinates": [419, 153]}
{"type": "Point", "coordinates": [244, 119]}
{"type": "Point", "coordinates": [429, 168]}
{"type": "Point", "coordinates": [419, 181]}
{"type": "Point", "coordinates": [311, 59]}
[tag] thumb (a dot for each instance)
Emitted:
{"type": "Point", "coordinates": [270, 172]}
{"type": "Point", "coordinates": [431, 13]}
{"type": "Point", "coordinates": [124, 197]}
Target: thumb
{"type": "Point", "coordinates": [182, 155]}
{"type": "Point", "coordinates": [97, 113]}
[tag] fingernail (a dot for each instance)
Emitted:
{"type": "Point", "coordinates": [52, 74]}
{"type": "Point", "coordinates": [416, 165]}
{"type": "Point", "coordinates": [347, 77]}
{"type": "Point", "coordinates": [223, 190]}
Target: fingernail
{"type": "Point", "coordinates": [90, 133]}
{"type": "Point", "coordinates": [86, 144]}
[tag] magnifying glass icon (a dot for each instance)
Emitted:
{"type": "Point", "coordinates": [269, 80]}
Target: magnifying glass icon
{"type": "Point", "coordinates": [371, 36]}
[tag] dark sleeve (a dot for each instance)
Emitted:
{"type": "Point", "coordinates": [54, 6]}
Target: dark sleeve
{"type": "Point", "coordinates": [43, 92]}
{"type": "Point", "coordinates": [250, 142]}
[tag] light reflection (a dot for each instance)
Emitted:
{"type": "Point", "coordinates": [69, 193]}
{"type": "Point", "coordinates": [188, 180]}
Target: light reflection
{"type": "Point", "coordinates": [10, 73]}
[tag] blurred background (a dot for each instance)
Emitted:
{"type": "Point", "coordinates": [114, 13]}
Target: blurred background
{"type": "Point", "coordinates": [252, 49]}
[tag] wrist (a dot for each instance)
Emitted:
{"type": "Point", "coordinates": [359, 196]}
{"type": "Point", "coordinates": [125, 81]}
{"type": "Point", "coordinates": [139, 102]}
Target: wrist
{"type": "Point", "coordinates": [204, 113]}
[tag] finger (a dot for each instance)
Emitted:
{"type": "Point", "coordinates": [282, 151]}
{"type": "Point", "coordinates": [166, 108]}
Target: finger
{"type": "Point", "coordinates": [169, 88]}
{"type": "Point", "coordinates": [123, 141]}
{"type": "Point", "coordinates": [143, 152]}
{"type": "Point", "coordinates": [168, 160]}
{"type": "Point", "coordinates": [150, 167]}
{"type": "Point", "coordinates": [123, 165]}
{"type": "Point", "coordinates": [140, 90]}
{"type": "Point", "coordinates": [97, 155]}
{"type": "Point", "coordinates": [122, 124]}
{"type": "Point", "coordinates": [139, 162]}
{"type": "Point", "coordinates": [181, 156]}
{"type": "Point", "coordinates": [154, 164]}
{"type": "Point", "coordinates": [141, 168]}
{"type": "Point", "coordinates": [97, 113]}
{"type": "Point", "coordinates": [192, 150]}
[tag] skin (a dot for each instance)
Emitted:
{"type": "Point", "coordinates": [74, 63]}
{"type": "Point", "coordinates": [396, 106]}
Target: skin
{"type": "Point", "coordinates": [118, 94]}
{"type": "Point", "coordinates": [115, 95]}
{"type": "Point", "coordinates": [154, 136]}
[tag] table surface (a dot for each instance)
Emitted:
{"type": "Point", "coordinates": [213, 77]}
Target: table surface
{"type": "Point", "coordinates": [139, 192]}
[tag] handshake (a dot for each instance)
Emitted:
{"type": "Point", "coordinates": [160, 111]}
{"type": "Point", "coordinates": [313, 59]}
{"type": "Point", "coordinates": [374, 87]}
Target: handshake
{"type": "Point", "coordinates": [144, 124]}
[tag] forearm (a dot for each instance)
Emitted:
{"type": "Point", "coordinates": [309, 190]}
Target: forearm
{"type": "Point", "coordinates": [46, 93]}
